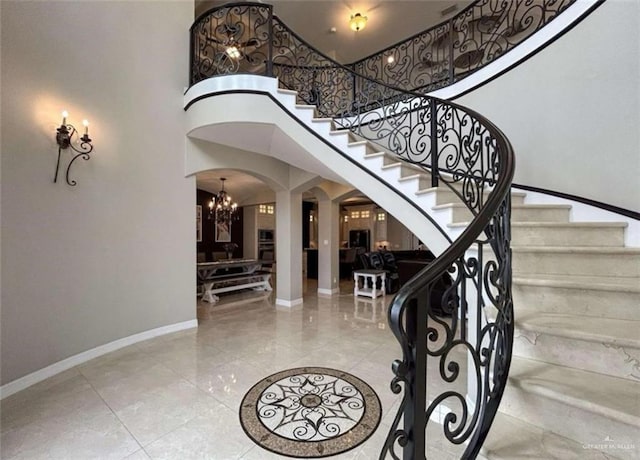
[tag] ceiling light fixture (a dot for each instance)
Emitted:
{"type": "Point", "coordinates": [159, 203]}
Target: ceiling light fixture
{"type": "Point", "coordinates": [221, 207]}
{"type": "Point", "coordinates": [357, 22]}
{"type": "Point", "coordinates": [233, 52]}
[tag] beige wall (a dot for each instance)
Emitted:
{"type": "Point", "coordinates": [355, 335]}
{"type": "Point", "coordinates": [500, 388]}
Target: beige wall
{"type": "Point", "coordinates": [83, 266]}
{"type": "Point", "coordinates": [572, 111]}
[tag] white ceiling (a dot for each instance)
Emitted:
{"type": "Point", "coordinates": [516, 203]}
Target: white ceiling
{"type": "Point", "coordinates": [388, 23]}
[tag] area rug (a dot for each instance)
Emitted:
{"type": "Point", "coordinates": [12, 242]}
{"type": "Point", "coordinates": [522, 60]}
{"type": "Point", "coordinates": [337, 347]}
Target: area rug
{"type": "Point", "coordinates": [310, 412]}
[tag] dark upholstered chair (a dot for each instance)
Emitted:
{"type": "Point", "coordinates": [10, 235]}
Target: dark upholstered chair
{"type": "Point", "coordinates": [376, 262]}
{"type": "Point", "coordinates": [407, 269]}
{"type": "Point", "coordinates": [347, 263]}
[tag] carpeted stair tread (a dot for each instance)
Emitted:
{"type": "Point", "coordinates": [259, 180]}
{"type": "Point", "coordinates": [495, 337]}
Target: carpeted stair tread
{"type": "Point", "coordinates": [511, 438]}
{"type": "Point", "coordinates": [578, 249]}
{"type": "Point", "coordinates": [612, 397]}
{"type": "Point", "coordinates": [513, 206]}
{"type": "Point", "coordinates": [619, 332]}
{"type": "Point", "coordinates": [553, 224]}
{"type": "Point", "coordinates": [605, 283]}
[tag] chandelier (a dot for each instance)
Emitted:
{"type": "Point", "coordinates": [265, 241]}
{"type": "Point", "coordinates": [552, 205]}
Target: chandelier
{"type": "Point", "coordinates": [357, 22]}
{"type": "Point", "coordinates": [221, 207]}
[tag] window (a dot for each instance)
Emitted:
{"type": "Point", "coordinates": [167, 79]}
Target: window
{"type": "Point", "coordinates": [381, 216]}
{"type": "Point", "coordinates": [365, 214]}
{"type": "Point", "coordinates": [355, 214]}
{"type": "Point", "coordinates": [266, 209]}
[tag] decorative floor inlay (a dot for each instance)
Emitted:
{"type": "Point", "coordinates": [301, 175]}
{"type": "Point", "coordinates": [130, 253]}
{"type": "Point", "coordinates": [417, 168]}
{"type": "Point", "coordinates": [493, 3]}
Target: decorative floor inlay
{"type": "Point", "coordinates": [310, 412]}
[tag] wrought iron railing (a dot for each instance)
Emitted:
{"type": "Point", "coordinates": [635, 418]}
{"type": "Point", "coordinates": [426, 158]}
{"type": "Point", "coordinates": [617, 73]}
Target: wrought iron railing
{"type": "Point", "coordinates": [458, 47]}
{"type": "Point", "coordinates": [462, 349]}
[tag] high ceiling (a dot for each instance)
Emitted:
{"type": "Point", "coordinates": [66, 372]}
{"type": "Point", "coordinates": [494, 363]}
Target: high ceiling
{"type": "Point", "coordinates": [388, 23]}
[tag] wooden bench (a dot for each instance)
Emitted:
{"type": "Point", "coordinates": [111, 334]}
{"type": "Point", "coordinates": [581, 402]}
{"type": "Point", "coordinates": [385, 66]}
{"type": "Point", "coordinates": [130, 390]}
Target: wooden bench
{"type": "Point", "coordinates": [257, 280]}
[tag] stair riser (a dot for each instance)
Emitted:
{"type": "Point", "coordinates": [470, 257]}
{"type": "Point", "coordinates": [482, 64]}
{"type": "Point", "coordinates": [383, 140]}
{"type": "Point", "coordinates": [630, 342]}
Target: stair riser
{"type": "Point", "coordinates": [323, 128]}
{"type": "Point", "coordinates": [406, 171]}
{"type": "Point", "coordinates": [539, 214]}
{"type": "Point", "coordinates": [446, 196]}
{"type": "Point", "coordinates": [521, 215]}
{"type": "Point", "coordinates": [586, 302]}
{"type": "Point", "coordinates": [614, 360]}
{"type": "Point", "coordinates": [567, 236]}
{"type": "Point", "coordinates": [373, 163]}
{"type": "Point", "coordinates": [576, 423]}
{"type": "Point", "coordinates": [587, 264]}
{"type": "Point", "coordinates": [305, 115]}
{"type": "Point", "coordinates": [356, 151]}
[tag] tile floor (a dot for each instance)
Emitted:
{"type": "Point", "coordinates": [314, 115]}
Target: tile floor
{"type": "Point", "coordinates": [177, 396]}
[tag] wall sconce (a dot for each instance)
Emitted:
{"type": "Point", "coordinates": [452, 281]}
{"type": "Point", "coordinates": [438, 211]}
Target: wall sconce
{"type": "Point", "coordinates": [64, 139]}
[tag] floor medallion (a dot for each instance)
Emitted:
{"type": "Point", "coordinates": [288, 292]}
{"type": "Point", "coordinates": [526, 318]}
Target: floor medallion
{"type": "Point", "coordinates": [310, 412]}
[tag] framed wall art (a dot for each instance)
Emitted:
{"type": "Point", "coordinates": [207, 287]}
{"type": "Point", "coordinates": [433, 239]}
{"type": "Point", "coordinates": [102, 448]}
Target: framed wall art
{"type": "Point", "coordinates": [223, 232]}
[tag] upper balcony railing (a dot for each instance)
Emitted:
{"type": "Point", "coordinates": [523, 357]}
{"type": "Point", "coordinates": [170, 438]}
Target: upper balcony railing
{"type": "Point", "coordinates": [437, 57]}
{"type": "Point", "coordinates": [454, 49]}
{"type": "Point", "coordinates": [467, 352]}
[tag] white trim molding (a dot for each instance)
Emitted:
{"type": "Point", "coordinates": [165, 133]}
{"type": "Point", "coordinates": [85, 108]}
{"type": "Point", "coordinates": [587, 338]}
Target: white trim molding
{"type": "Point", "coordinates": [22, 383]}
{"type": "Point", "coordinates": [329, 292]}
{"type": "Point", "coordinates": [289, 303]}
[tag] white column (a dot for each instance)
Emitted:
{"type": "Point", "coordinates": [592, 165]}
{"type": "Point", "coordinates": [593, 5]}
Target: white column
{"type": "Point", "coordinates": [288, 248]}
{"type": "Point", "coordinates": [249, 232]}
{"type": "Point", "coordinates": [328, 247]}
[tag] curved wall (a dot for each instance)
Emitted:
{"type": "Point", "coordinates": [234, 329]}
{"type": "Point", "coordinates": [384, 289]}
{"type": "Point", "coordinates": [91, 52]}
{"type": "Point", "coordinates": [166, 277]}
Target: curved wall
{"type": "Point", "coordinates": [85, 266]}
{"type": "Point", "coordinates": [572, 111]}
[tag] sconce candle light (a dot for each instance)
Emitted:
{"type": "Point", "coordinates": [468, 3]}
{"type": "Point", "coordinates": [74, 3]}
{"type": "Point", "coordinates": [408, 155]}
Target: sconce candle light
{"type": "Point", "coordinates": [64, 138]}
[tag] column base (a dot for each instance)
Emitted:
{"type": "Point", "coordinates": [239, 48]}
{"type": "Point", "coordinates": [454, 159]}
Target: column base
{"type": "Point", "coordinates": [288, 303]}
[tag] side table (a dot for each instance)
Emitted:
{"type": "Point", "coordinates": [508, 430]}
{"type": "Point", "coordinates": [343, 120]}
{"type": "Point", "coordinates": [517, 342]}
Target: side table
{"type": "Point", "coordinates": [369, 278]}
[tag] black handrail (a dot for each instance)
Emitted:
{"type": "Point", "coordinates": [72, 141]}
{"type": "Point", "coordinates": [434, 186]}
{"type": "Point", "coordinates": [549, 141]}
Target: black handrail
{"type": "Point", "coordinates": [458, 148]}
{"type": "Point", "coordinates": [458, 47]}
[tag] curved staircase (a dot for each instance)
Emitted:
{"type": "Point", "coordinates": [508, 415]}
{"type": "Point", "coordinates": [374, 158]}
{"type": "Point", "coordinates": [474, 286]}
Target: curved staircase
{"type": "Point", "coordinates": [574, 383]}
{"type": "Point", "coordinates": [573, 390]}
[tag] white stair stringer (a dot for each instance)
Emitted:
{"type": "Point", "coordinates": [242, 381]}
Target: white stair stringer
{"type": "Point", "coordinates": [307, 142]}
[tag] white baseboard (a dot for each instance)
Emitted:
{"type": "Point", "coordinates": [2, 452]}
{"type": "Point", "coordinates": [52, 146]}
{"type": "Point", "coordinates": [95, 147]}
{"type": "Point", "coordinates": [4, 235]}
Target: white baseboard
{"type": "Point", "coordinates": [38, 376]}
{"type": "Point", "coordinates": [329, 292]}
{"type": "Point", "coordinates": [288, 303]}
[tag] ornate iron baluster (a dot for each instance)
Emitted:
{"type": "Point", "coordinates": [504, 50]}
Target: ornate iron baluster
{"type": "Point", "coordinates": [459, 46]}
